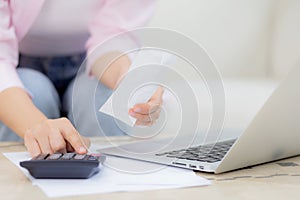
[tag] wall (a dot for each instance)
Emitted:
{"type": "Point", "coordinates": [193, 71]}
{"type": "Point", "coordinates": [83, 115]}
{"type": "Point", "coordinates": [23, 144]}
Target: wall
{"type": "Point", "coordinates": [236, 33]}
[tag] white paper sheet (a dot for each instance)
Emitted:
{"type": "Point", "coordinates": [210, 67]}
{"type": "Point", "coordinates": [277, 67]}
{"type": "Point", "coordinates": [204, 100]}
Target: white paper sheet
{"type": "Point", "coordinates": [142, 58]}
{"type": "Point", "coordinates": [110, 180]}
{"type": "Point", "coordinates": [141, 96]}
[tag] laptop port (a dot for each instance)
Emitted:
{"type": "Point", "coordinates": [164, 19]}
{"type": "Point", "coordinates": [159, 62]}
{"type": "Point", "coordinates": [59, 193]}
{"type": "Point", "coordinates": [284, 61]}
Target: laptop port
{"type": "Point", "coordinates": [192, 166]}
{"type": "Point", "coordinates": [178, 163]}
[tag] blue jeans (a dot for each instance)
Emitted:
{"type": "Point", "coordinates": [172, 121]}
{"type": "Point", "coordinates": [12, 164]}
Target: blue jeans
{"type": "Point", "coordinates": [51, 84]}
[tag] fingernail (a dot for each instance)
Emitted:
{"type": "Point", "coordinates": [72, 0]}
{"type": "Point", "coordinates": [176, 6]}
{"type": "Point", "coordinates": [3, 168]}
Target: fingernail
{"type": "Point", "coordinates": [137, 110]}
{"type": "Point", "coordinates": [81, 149]}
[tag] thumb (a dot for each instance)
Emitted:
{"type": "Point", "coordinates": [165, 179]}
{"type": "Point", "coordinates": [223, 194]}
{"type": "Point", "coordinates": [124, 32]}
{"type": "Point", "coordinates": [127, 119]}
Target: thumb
{"type": "Point", "coordinates": [157, 96]}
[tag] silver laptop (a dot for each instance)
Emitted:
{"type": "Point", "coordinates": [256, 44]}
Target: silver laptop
{"type": "Point", "coordinates": [273, 134]}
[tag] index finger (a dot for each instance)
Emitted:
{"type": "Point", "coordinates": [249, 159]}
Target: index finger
{"type": "Point", "coordinates": [72, 136]}
{"type": "Point", "coordinates": [146, 108]}
{"type": "Point", "coordinates": [153, 103]}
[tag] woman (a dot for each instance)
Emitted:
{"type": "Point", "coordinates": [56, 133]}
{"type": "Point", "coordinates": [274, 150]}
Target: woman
{"type": "Point", "coordinates": [42, 44]}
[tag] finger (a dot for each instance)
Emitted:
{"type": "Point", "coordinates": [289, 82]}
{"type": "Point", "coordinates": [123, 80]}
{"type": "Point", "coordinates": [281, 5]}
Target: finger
{"type": "Point", "coordinates": [57, 142]}
{"type": "Point", "coordinates": [69, 147]}
{"type": "Point", "coordinates": [44, 142]}
{"type": "Point", "coordinates": [146, 108]}
{"type": "Point", "coordinates": [32, 146]}
{"type": "Point", "coordinates": [153, 103]}
{"type": "Point", "coordinates": [86, 141]}
{"type": "Point", "coordinates": [146, 118]}
{"type": "Point", "coordinates": [157, 96]}
{"type": "Point", "coordinates": [154, 116]}
{"type": "Point", "coordinates": [141, 123]}
{"type": "Point", "coordinates": [71, 135]}
{"type": "Point", "coordinates": [141, 117]}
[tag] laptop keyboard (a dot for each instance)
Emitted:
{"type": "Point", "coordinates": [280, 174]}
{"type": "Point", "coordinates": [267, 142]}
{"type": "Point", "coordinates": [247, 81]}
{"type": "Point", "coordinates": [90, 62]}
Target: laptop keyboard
{"type": "Point", "coordinates": [205, 153]}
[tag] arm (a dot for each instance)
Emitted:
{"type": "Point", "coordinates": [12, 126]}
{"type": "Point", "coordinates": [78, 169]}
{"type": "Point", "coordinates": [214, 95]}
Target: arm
{"type": "Point", "coordinates": [110, 70]}
{"type": "Point", "coordinates": [17, 111]}
{"type": "Point", "coordinates": [11, 100]}
{"type": "Point", "coordinates": [40, 134]}
{"type": "Point", "coordinates": [14, 105]}
{"type": "Point", "coordinates": [115, 17]}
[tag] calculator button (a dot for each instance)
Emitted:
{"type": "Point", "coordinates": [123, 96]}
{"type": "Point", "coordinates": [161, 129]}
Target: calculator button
{"type": "Point", "coordinates": [79, 156]}
{"type": "Point", "coordinates": [95, 154]}
{"type": "Point", "coordinates": [67, 156]}
{"type": "Point", "coordinates": [40, 157]}
{"type": "Point", "coordinates": [93, 158]}
{"type": "Point", "coordinates": [54, 156]}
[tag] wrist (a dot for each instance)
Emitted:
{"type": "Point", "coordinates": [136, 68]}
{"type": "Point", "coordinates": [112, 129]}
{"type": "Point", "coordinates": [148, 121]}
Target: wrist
{"type": "Point", "coordinates": [110, 68]}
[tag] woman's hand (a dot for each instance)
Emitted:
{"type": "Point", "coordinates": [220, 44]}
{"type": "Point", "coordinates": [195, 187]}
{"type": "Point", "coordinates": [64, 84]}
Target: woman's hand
{"type": "Point", "coordinates": [55, 135]}
{"type": "Point", "coordinates": [110, 68]}
{"type": "Point", "coordinates": [41, 135]}
{"type": "Point", "coordinates": [147, 113]}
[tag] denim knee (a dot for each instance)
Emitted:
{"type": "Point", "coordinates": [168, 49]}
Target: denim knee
{"type": "Point", "coordinates": [44, 95]}
{"type": "Point", "coordinates": [83, 99]}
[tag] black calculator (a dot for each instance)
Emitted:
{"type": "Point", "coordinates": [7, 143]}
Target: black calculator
{"type": "Point", "coordinates": [64, 166]}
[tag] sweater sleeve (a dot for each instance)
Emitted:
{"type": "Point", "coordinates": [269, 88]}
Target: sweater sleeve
{"type": "Point", "coordinates": [8, 49]}
{"type": "Point", "coordinates": [114, 17]}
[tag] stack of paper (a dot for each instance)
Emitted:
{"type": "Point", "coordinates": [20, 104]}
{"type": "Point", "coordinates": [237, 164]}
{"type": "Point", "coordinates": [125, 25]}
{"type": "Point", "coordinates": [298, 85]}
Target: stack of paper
{"type": "Point", "coordinates": [113, 180]}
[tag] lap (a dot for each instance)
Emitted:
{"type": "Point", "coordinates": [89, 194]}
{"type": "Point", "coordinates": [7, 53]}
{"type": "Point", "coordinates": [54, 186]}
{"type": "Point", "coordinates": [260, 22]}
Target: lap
{"type": "Point", "coordinates": [83, 99]}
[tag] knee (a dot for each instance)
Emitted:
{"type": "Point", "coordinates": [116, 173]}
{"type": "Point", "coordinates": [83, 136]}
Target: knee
{"type": "Point", "coordinates": [44, 95]}
{"type": "Point", "coordinates": [85, 91]}
{"type": "Point", "coordinates": [86, 96]}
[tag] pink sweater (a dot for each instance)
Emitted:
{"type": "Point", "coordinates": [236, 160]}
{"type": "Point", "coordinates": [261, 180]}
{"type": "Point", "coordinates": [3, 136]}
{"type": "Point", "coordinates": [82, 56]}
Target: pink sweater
{"type": "Point", "coordinates": [17, 16]}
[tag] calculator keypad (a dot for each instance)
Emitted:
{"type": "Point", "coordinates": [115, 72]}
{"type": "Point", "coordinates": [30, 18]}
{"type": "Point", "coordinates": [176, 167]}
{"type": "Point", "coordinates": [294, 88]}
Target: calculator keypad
{"type": "Point", "coordinates": [54, 156]}
{"type": "Point", "coordinates": [67, 165]}
{"type": "Point", "coordinates": [41, 157]}
{"type": "Point", "coordinates": [92, 158]}
{"type": "Point", "coordinates": [79, 156]}
{"type": "Point", "coordinates": [67, 156]}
